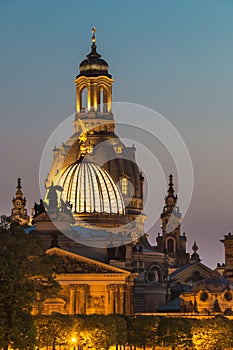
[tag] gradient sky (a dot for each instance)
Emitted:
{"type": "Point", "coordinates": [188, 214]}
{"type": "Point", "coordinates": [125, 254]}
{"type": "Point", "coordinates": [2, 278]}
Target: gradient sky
{"type": "Point", "coordinates": [173, 56]}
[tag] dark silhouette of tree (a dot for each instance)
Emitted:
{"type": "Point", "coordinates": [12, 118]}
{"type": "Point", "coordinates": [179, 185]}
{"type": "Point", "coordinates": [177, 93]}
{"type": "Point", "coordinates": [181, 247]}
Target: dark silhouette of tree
{"type": "Point", "coordinates": [143, 331]}
{"type": "Point", "coordinates": [174, 332]}
{"type": "Point", "coordinates": [25, 273]}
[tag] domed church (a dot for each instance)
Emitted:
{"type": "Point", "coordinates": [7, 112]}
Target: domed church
{"type": "Point", "coordinates": [92, 216]}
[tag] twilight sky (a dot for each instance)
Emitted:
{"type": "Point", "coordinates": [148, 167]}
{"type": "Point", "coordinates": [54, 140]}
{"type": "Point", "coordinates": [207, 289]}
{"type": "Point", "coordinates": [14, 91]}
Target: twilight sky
{"type": "Point", "coordinates": [175, 57]}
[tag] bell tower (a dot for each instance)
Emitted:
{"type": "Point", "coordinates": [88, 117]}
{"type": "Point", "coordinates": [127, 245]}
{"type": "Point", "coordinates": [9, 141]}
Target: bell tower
{"type": "Point", "coordinates": [19, 212]}
{"type": "Point", "coordinates": [171, 241]}
{"type": "Point", "coordinates": [93, 92]}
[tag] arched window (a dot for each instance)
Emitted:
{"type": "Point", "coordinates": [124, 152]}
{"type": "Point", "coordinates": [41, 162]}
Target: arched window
{"type": "Point", "coordinates": [170, 246]}
{"type": "Point", "coordinates": [83, 99]}
{"type": "Point", "coordinates": [153, 274]}
{"type": "Point", "coordinates": [102, 99]}
{"type": "Point", "coordinates": [124, 185]}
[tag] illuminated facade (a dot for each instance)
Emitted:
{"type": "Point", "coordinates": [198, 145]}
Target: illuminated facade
{"type": "Point", "coordinates": [95, 187]}
{"type": "Point", "coordinates": [210, 296]}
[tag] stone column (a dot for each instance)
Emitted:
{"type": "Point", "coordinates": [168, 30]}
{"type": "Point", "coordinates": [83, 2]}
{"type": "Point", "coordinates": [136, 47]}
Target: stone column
{"type": "Point", "coordinates": [72, 299]}
{"type": "Point", "coordinates": [116, 299]}
{"type": "Point", "coordinates": [82, 298]}
{"type": "Point", "coordinates": [111, 303]}
{"type": "Point", "coordinates": [129, 299]}
{"type": "Point", "coordinates": [121, 304]}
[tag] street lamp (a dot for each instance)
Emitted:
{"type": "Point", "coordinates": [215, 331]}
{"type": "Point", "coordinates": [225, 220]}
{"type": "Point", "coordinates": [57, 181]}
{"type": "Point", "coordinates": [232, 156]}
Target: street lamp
{"type": "Point", "coordinates": [73, 339]}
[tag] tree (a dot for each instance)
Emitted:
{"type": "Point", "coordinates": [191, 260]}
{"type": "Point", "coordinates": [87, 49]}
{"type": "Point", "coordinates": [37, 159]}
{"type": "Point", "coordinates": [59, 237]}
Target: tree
{"type": "Point", "coordinates": [143, 331]}
{"type": "Point", "coordinates": [175, 332]}
{"type": "Point", "coordinates": [53, 330]}
{"type": "Point", "coordinates": [212, 334]}
{"type": "Point", "coordinates": [99, 331]}
{"type": "Point", "coordinates": [121, 329]}
{"type": "Point", "coordinates": [26, 271]}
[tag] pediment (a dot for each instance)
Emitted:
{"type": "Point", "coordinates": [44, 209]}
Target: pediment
{"type": "Point", "coordinates": [196, 271]}
{"type": "Point", "coordinates": [70, 263]}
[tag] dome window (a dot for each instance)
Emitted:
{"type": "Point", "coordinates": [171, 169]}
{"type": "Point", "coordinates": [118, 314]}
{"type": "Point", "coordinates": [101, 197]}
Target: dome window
{"type": "Point", "coordinates": [124, 186]}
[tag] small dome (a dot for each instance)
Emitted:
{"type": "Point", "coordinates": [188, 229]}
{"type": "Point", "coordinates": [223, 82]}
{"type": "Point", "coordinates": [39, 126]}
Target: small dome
{"type": "Point", "coordinates": [93, 65]}
{"type": "Point", "coordinates": [90, 189]}
{"type": "Point", "coordinates": [212, 284]}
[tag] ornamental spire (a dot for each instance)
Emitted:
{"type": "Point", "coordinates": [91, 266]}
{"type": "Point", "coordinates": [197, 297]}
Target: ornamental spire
{"type": "Point", "coordinates": [171, 185]}
{"type": "Point", "coordinates": [93, 38]}
{"type": "Point", "coordinates": [19, 193]}
{"type": "Point", "coordinates": [93, 46]}
{"type": "Point", "coordinates": [170, 200]}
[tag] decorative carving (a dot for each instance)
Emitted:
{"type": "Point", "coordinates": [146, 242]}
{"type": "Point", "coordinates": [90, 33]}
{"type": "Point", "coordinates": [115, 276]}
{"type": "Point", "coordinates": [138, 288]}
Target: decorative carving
{"type": "Point", "coordinates": [229, 251]}
{"type": "Point", "coordinates": [96, 301]}
{"type": "Point", "coordinates": [73, 286]}
{"type": "Point", "coordinates": [83, 287]}
{"type": "Point", "coordinates": [65, 264]}
{"type": "Point", "coordinates": [112, 287]}
{"type": "Point", "coordinates": [66, 206]}
{"type": "Point", "coordinates": [121, 287]}
{"type": "Point", "coordinates": [52, 196]}
{"type": "Point", "coordinates": [153, 274]}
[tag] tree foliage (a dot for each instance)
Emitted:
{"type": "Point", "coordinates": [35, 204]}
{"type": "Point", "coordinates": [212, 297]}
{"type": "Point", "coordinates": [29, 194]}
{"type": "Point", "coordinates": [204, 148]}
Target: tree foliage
{"type": "Point", "coordinates": [174, 332]}
{"type": "Point", "coordinates": [212, 334]}
{"type": "Point", "coordinates": [53, 330]}
{"type": "Point", "coordinates": [25, 272]}
{"type": "Point", "coordinates": [97, 331]}
{"type": "Point", "coordinates": [143, 331]}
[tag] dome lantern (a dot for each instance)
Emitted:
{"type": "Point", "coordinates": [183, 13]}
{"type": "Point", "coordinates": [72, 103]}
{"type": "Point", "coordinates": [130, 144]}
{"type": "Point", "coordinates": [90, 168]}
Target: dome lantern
{"type": "Point", "coordinates": [93, 87]}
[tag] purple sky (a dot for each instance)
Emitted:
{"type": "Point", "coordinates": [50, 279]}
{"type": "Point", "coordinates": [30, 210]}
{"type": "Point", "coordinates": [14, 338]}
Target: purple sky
{"type": "Point", "coordinates": [175, 57]}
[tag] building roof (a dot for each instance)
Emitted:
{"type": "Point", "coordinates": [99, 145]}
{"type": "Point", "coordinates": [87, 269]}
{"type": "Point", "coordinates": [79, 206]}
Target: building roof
{"type": "Point", "coordinates": [171, 306]}
{"type": "Point", "coordinates": [213, 284]}
{"type": "Point", "coordinates": [90, 189]}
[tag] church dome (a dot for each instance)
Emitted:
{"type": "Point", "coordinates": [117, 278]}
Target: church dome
{"type": "Point", "coordinates": [93, 65]}
{"type": "Point", "coordinates": [90, 189]}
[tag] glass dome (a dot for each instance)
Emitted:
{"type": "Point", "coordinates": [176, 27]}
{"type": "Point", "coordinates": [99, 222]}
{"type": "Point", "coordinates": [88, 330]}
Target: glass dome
{"type": "Point", "coordinates": [90, 189]}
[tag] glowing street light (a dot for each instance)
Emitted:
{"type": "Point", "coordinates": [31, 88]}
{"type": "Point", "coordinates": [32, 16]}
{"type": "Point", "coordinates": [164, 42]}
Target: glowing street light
{"type": "Point", "coordinates": [74, 340]}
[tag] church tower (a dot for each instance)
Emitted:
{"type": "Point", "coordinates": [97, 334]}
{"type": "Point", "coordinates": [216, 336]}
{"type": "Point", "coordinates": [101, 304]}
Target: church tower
{"type": "Point", "coordinates": [19, 212]}
{"type": "Point", "coordinates": [171, 241]}
{"type": "Point", "coordinates": [94, 140]}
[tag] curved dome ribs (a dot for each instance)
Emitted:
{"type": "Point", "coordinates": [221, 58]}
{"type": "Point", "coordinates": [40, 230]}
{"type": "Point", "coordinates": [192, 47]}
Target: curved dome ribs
{"type": "Point", "coordinates": [90, 189]}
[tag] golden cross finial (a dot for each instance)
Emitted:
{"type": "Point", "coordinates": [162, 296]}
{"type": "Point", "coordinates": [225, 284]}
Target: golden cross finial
{"type": "Point", "coordinates": [93, 30]}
